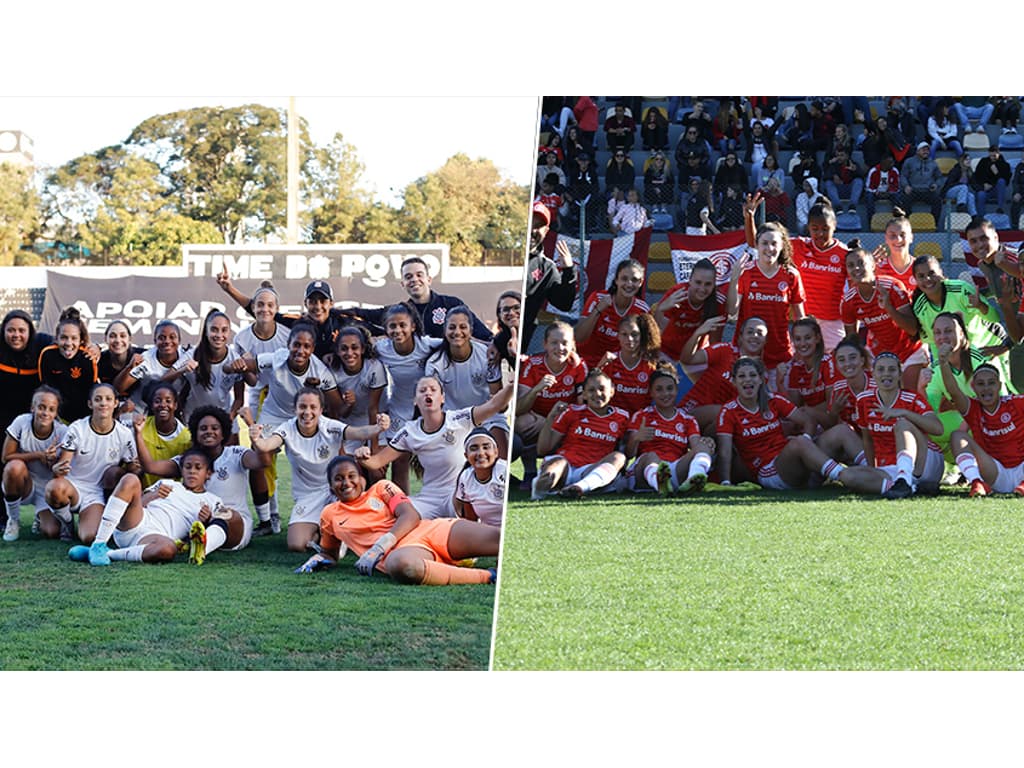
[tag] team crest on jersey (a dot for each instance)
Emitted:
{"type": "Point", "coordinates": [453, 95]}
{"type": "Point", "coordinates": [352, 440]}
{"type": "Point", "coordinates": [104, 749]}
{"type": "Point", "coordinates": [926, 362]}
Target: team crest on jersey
{"type": "Point", "coordinates": [614, 426]}
{"type": "Point", "coordinates": [679, 427]}
{"type": "Point", "coordinates": [112, 454]}
{"type": "Point", "coordinates": [478, 379]}
{"type": "Point", "coordinates": [641, 377]}
{"type": "Point", "coordinates": [222, 474]}
{"type": "Point", "coordinates": [835, 259]}
{"type": "Point", "coordinates": [497, 492]}
{"type": "Point", "coordinates": [1005, 418]}
{"type": "Point", "coordinates": [323, 452]}
{"type": "Point", "coordinates": [76, 373]}
{"type": "Point", "coordinates": [438, 315]}
{"type": "Point", "coordinates": [449, 436]}
{"type": "Point", "coordinates": [567, 379]}
{"type": "Point", "coordinates": [376, 504]}
{"type": "Point", "coordinates": [783, 285]}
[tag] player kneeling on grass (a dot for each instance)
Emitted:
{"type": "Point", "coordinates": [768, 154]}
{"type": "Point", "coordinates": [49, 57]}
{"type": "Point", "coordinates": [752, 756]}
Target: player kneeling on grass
{"type": "Point", "coordinates": [30, 450]}
{"type": "Point", "coordinates": [149, 526]}
{"type": "Point", "coordinates": [991, 456]}
{"type": "Point", "coordinates": [381, 526]}
{"type": "Point", "coordinates": [753, 425]}
{"type": "Point", "coordinates": [587, 439]}
{"type": "Point", "coordinates": [670, 452]}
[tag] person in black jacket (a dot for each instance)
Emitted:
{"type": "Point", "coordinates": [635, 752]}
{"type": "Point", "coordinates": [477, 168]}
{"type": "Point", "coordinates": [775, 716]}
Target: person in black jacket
{"type": "Point", "coordinates": [547, 280]}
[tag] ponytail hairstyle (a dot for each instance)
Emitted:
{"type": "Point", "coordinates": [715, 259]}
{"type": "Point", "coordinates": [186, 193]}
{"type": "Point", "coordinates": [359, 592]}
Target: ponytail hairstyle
{"type": "Point", "coordinates": [71, 316]}
{"type": "Point", "coordinates": [855, 246]}
{"type": "Point", "coordinates": [204, 352]}
{"type": "Point", "coordinates": [574, 358]}
{"type": "Point", "coordinates": [822, 211]}
{"type": "Point", "coordinates": [966, 363]}
{"type": "Point", "coordinates": [786, 254]}
{"type": "Point", "coordinates": [762, 391]}
{"type": "Point", "coordinates": [364, 341]}
{"type": "Point", "coordinates": [663, 371]}
{"type": "Point", "coordinates": [650, 335]}
{"type": "Point", "coordinates": [710, 308]}
{"type": "Point", "coordinates": [405, 308]}
{"type": "Point", "coordinates": [924, 259]}
{"type": "Point", "coordinates": [445, 349]}
{"type": "Point", "coordinates": [819, 346]}
{"type": "Point", "coordinates": [853, 341]}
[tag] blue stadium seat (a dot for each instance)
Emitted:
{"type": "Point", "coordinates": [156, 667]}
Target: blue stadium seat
{"type": "Point", "coordinates": [1011, 141]}
{"type": "Point", "coordinates": [999, 220]}
{"type": "Point", "coordinates": [848, 222]}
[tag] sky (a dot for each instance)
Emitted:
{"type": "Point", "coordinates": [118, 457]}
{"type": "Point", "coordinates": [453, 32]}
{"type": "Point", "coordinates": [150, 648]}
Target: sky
{"type": "Point", "coordinates": [398, 140]}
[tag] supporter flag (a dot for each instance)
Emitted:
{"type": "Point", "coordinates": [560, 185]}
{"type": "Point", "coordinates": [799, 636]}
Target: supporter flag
{"type": "Point", "coordinates": [599, 259]}
{"type": "Point", "coordinates": [723, 250]}
{"type": "Point", "coordinates": [1011, 238]}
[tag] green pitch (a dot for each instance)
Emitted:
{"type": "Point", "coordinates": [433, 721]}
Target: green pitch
{"type": "Point", "coordinates": [756, 580]}
{"type": "Point", "coordinates": [239, 610]}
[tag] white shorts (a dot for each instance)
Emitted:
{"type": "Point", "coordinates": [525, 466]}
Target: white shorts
{"type": "Point", "coordinates": [431, 506]}
{"type": "Point", "coordinates": [768, 477]}
{"type": "Point", "coordinates": [88, 495]}
{"type": "Point", "coordinates": [934, 468]}
{"type": "Point", "coordinates": [246, 516]}
{"type": "Point", "coordinates": [499, 420]}
{"type": "Point", "coordinates": [307, 508]}
{"type": "Point", "coordinates": [832, 332]}
{"type": "Point", "coordinates": [919, 356]}
{"type": "Point", "coordinates": [36, 496]}
{"type": "Point", "coordinates": [1008, 478]}
{"type": "Point", "coordinates": [151, 524]}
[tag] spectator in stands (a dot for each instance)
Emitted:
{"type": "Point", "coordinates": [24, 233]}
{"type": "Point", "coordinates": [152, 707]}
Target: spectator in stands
{"type": "Point", "coordinates": [730, 173]}
{"type": "Point", "coordinates": [900, 113]}
{"type": "Point", "coordinates": [549, 164]}
{"type": "Point", "coordinates": [883, 184]}
{"type": "Point", "coordinates": [1007, 113]}
{"type": "Point", "coordinates": [547, 280]}
{"type": "Point", "coordinates": [619, 172]}
{"type": "Point", "coordinates": [690, 143]}
{"type": "Point", "coordinates": [1017, 199]}
{"type": "Point", "coordinates": [759, 144]}
{"type": "Point", "coordinates": [808, 196]}
{"type": "Point", "coordinates": [699, 209]}
{"type": "Point", "coordinates": [841, 139]}
{"type": "Point", "coordinates": [823, 126]}
{"type": "Point", "coordinates": [551, 197]}
{"type": "Point", "coordinates": [991, 174]}
{"type": "Point", "coordinates": [552, 146]}
{"type": "Point", "coordinates": [556, 114]}
{"type": "Point", "coordinates": [919, 180]}
{"type": "Point", "coordinates": [763, 108]}
{"type": "Point", "coordinates": [807, 167]}
{"type": "Point", "coordinates": [959, 186]}
{"type": "Point", "coordinates": [694, 168]}
{"type": "Point", "coordinates": [769, 169]}
{"type": "Point", "coordinates": [725, 129]}
{"type": "Point", "coordinates": [584, 193]}
{"type": "Point", "coordinates": [659, 185]}
{"type": "Point", "coordinates": [699, 119]}
{"type": "Point", "coordinates": [856, 109]}
{"type": "Point", "coordinates": [620, 130]}
{"type": "Point", "coordinates": [777, 205]}
{"type": "Point", "coordinates": [895, 141]}
{"type": "Point", "coordinates": [844, 178]}
{"type": "Point", "coordinates": [942, 131]}
{"type": "Point", "coordinates": [654, 130]}
{"type": "Point", "coordinates": [976, 108]}
{"type": "Point", "coordinates": [574, 144]}
{"type": "Point", "coordinates": [587, 118]}
{"type": "Point", "coordinates": [631, 217]}
{"type": "Point", "coordinates": [797, 130]}
{"type": "Point", "coordinates": [616, 200]}
{"type": "Point", "coordinates": [872, 144]}
{"type": "Point", "coordinates": [730, 212]}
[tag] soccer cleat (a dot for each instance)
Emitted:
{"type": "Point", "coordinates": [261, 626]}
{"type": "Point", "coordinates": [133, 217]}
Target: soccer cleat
{"type": "Point", "coordinates": [35, 525]}
{"type": "Point", "coordinates": [980, 488]}
{"type": "Point", "coordinates": [468, 562]}
{"type": "Point", "coordinates": [181, 546]}
{"type": "Point", "coordinates": [664, 477]}
{"type": "Point", "coordinates": [197, 543]}
{"type": "Point", "coordinates": [694, 484]}
{"type": "Point", "coordinates": [494, 575]}
{"type": "Point", "coordinates": [12, 529]}
{"type": "Point", "coordinates": [275, 522]}
{"type": "Point", "coordinates": [264, 528]}
{"type": "Point", "coordinates": [98, 554]}
{"type": "Point", "coordinates": [900, 490]}
{"type": "Point", "coordinates": [534, 493]}
{"type": "Point", "coordinates": [1019, 490]}
{"type": "Point", "coordinates": [928, 487]}
{"type": "Point", "coordinates": [67, 530]}
{"type": "Point", "coordinates": [573, 492]}
{"type": "Point", "coordinates": [79, 553]}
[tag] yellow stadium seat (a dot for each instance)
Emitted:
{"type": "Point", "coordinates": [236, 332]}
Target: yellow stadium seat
{"type": "Point", "coordinates": [544, 317]}
{"type": "Point", "coordinates": [922, 221]}
{"type": "Point", "coordinates": [879, 220]}
{"type": "Point", "coordinates": [945, 164]}
{"type": "Point", "coordinates": [660, 252]}
{"type": "Point", "coordinates": [927, 248]}
{"type": "Point", "coordinates": [660, 281]}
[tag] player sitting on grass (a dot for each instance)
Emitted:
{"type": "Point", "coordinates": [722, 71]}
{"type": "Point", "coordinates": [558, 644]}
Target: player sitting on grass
{"type": "Point", "coordinates": [480, 489]}
{"type": "Point", "coordinates": [383, 528]}
{"type": "Point", "coordinates": [670, 452]}
{"type": "Point", "coordinates": [587, 438]}
{"type": "Point", "coordinates": [149, 526]}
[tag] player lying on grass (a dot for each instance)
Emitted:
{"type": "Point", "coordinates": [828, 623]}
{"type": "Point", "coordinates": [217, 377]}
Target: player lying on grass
{"type": "Point", "coordinates": [587, 439]}
{"type": "Point", "coordinates": [670, 452]}
{"type": "Point", "coordinates": [149, 526]}
{"type": "Point", "coordinates": [382, 527]}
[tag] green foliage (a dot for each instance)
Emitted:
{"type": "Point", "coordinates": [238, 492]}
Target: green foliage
{"type": "Point", "coordinates": [758, 580]}
{"type": "Point", "coordinates": [18, 210]}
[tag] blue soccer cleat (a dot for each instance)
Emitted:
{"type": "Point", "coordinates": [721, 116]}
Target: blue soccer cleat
{"type": "Point", "coordinates": [79, 553]}
{"type": "Point", "coordinates": [98, 554]}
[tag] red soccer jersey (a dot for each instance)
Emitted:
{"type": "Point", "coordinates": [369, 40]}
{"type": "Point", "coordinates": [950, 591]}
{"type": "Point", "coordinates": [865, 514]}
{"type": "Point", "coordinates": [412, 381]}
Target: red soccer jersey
{"type": "Point", "coordinates": [683, 319]}
{"type": "Point", "coordinates": [589, 437]}
{"type": "Point", "coordinates": [756, 439]}
{"type": "Point", "coordinates": [883, 333]}
{"type": "Point", "coordinates": [567, 385]}
{"type": "Point", "coordinates": [824, 276]}
{"type": "Point", "coordinates": [869, 417]}
{"type": "Point", "coordinates": [605, 336]}
{"type": "Point", "coordinates": [714, 386]}
{"type": "Point", "coordinates": [632, 385]}
{"type": "Point", "coordinates": [1000, 434]}
{"type": "Point", "coordinates": [672, 436]}
{"type": "Point", "coordinates": [812, 389]}
{"type": "Point", "coordinates": [905, 278]}
{"type": "Point", "coordinates": [770, 298]}
{"type": "Point", "coordinates": [849, 411]}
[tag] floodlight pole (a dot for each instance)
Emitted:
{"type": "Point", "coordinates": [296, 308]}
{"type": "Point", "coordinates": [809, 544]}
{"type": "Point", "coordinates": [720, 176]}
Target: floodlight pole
{"type": "Point", "coordinates": [292, 233]}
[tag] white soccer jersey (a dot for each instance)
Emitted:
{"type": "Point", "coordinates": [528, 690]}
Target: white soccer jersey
{"type": "Point", "coordinates": [21, 431]}
{"type": "Point", "coordinates": [465, 383]}
{"type": "Point", "coordinates": [309, 456]}
{"type": "Point", "coordinates": [95, 452]}
{"type": "Point", "coordinates": [151, 369]}
{"type": "Point", "coordinates": [371, 377]}
{"type": "Point", "coordinates": [442, 457]}
{"type": "Point", "coordinates": [229, 479]}
{"type": "Point", "coordinates": [172, 516]}
{"type": "Point", "coordinates": [487, 499]}
{"type": "Point", "coordinates": [247, 342]}
{"type": "Point", "coordinates": [275, 374]}
{"type": "Point", "coordinates": [404, 371]}
{"type": "Point", "coordinates": [222, 384]}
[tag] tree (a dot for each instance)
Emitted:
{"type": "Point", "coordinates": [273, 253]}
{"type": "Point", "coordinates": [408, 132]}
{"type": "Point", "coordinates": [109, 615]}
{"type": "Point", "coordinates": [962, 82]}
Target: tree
{"type": "Point", "coordinates": [18, 210]}
{"type": "Point", "coordinates": [466, 204]}
{"type": "Point", "coordinates": [332, 193]}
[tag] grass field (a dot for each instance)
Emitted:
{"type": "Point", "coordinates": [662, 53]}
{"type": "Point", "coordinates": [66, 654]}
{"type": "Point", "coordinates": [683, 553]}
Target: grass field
{"type": "Point", "coordinates": [737, 579]}
{"type": "Point", "coordinates": [239, 611]}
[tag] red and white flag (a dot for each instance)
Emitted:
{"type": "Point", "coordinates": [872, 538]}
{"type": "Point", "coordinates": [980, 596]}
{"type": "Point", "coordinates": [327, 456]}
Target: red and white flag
{"type": "Point", "coordinates": [723, 250]}
{"type": "Point", "coordinates": [599, 258]}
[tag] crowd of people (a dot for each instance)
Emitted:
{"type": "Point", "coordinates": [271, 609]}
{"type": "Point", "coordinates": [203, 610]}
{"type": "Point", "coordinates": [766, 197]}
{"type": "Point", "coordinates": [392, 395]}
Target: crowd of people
{"type": "Point", "coordinates": [142, 454]}
{"type": "Point", "coordinates": [838, 148]}
{"type": "Point", "coordinates": [867, 368]}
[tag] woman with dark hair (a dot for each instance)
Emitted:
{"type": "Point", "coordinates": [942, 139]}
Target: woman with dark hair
{"type": "Point", "coordinates": [654, 130]}
{"type": "Point", "coordinates": [152, 365]}
{"type": "Point", "coordinates": [506, 340]}
{"type": "Point", "coordinates": [119, 352]}
{"type": "Point", "coordinates": [67, 367]}
{"type": "Point", "coordinates": [20, 346]}
{"type": "Point", "coordinates": [598, 329]}
{"type": "Point", "coordinates": [619, 172]}
{"type": "Point", "coordinates": [659, 184]}
{"type": "Point", "coordinates": [631, 367]}
{"type": "Point", "coordinates": [687, 305]}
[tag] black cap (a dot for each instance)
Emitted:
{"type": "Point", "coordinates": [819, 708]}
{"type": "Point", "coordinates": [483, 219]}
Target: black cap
{"type": "Point", "coordinates": [320, 286]}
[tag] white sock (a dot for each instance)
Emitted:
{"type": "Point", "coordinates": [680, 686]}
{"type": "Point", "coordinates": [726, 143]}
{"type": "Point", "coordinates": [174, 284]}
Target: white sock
{"type": "Point", "coordinates": [13, 507]}
{"type": "Point", "coordinates": [215, 538]}
{"type": "Point", "coordinates": [673, 481]}
{"type": "Point", "coordinates": [860, 459]}
{"type": "Point", "coordinates": [112, 514]}
{"type": "Point", "coordinates": [701, 464]}
{"type": "Point", "coordinates": [62, 513]}
{"type": "Point", "coordinates": [130, 554]}
{"type": "Point", "coordinates": [832, 469]}
{"type": "Point", "coordinates": [273, 504]}
{"type": "Point", "coordinates": [969, 466]}
{"type": "Point", "coordinates": [263, 512]}
{"type": "Point", "coordinates": [904, 465]}
{"type": "Point", "coordinates": [599, 477]}
{"type": "Point", "coordinates": [651, 474]}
